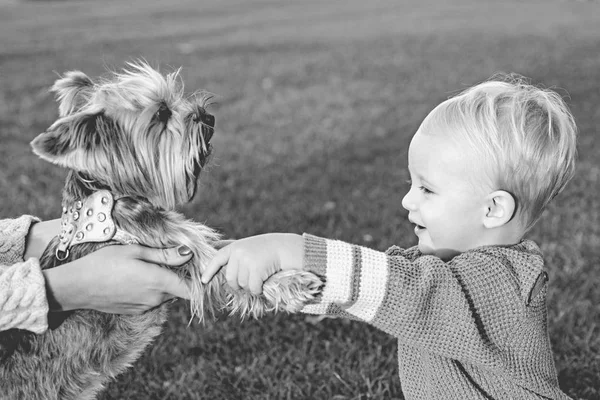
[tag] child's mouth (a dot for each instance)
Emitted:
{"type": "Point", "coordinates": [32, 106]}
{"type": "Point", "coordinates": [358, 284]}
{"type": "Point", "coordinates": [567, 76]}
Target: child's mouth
{"type": "Point", "coordinates": [419, 228]}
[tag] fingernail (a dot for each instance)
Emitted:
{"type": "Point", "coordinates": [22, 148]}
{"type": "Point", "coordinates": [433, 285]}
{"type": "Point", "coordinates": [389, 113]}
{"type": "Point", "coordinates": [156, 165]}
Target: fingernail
{"type": "Point", "coordinates": [184, 250]}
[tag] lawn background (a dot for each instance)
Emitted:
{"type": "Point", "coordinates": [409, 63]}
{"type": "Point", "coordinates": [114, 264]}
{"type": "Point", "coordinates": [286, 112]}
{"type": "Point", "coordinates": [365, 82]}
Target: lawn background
{"type": "Point", "coordinates": [317, 103]}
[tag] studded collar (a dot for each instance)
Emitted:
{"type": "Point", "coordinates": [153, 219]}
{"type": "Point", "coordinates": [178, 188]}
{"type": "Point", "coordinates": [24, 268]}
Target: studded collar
{"type": "Point", "coordinates": [90, 220]}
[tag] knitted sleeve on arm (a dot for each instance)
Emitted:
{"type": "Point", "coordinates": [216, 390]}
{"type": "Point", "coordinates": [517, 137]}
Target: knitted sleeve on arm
{"type": "Point", "coordinates": [23, 302]}
{"type": "Point", "coordinates": [422, 301]}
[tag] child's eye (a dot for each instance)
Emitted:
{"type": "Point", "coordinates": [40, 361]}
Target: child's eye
{"type": "Point", "coordinates": [425, 190]}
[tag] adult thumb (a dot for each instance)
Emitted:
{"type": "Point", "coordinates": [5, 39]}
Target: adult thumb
{"type": "Point", "coordinates": [176, 286]}
{"type": "Point", "coordinates": [219, 244]}
{"type": "Point", "coordinates": [173, 256]}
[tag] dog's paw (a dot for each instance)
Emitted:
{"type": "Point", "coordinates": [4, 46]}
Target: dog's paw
{"type": "Point", "coordinates": [291, 290]}
{"type": "Point", "coordinates": [285, 291]}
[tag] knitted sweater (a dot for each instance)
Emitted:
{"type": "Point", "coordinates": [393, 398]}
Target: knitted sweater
{"type": "Point", "coordinates": [471, 328]}
{"type": "Point", "coordinates": [23, 302]}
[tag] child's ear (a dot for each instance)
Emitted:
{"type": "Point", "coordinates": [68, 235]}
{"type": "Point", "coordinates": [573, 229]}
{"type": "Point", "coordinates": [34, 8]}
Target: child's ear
{"type": "Point", "coordinates": [500, 208]}
{"type": "Point", "coordinates": [72, 91]}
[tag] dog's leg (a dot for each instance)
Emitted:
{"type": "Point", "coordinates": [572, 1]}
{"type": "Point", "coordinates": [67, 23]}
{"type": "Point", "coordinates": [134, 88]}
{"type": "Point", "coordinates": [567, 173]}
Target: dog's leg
{"type": "Point", "coordinates": [284, 291]}
{"type": "Point", "coordinates": [160, 228]}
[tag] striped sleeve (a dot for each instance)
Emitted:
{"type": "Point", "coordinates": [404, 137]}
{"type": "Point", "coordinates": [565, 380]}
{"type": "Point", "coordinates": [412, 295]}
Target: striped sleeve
{"type": "Point", "coordinates": [356, 277]}
{"type": "Point", "coordinates": [419, 299]}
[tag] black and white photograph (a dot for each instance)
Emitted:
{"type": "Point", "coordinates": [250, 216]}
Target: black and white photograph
{"type": "Point", "coordinates": [299, 200]}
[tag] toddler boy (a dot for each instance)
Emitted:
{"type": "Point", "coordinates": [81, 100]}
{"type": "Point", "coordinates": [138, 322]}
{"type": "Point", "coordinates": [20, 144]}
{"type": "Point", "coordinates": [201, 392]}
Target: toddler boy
{"type": "Point", "coordinates": [468, 303]}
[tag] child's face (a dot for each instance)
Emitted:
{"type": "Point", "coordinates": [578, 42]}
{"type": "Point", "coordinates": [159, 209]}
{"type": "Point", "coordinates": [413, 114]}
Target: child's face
{"type": "Point", "coordinates": [446, 200]}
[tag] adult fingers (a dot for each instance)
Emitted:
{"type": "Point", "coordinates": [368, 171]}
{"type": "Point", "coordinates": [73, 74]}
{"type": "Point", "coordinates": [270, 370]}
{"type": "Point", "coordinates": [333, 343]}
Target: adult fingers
{"type": "Point", "coordinates": [215, 264]}
{"type": "Point", "coordinates": [173, 256]}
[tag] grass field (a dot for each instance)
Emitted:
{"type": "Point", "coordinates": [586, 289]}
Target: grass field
{"type": "Point", "coordinates": [317, 103]}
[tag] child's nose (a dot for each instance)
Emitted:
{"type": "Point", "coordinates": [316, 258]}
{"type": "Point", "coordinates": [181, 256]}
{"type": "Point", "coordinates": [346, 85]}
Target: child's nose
{"type": "Point", "coordinates": [408, 201]}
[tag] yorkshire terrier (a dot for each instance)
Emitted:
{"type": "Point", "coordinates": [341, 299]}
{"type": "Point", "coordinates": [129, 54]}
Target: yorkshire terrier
{"type": "Point", "coordinates": [134, 145]}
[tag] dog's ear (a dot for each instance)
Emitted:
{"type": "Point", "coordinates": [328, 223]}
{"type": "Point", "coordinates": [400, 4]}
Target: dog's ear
{"type": "Point", "coordinates": [69, 141]}
{"type": "Point", "coordinates": [72, 91]}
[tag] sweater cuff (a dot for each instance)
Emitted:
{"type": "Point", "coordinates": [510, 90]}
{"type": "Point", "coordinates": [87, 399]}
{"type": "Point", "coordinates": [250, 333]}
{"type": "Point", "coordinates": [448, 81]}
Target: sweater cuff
{"type": "Point", "coordinates": [13, 238]}
{"type": "Point", "coordinates": [355, 277]}
{"type": "Point", "coordinates": [315, 254]}
{"type": "Point", "coordinates": [23, 302]}
{"type": "Point", "coordinates": [334, 261]}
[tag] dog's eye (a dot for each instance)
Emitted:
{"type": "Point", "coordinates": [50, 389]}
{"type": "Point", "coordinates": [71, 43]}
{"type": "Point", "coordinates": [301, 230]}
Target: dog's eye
{"type": "Point", "coordinates": [163, 114]}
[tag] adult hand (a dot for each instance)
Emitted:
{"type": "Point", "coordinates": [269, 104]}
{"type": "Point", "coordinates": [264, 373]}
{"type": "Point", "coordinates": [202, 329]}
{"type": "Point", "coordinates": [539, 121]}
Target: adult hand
{"type": "Point", "coordinates": [251, 261]}
{"type": "Point", "coordinates": [219, 244]}
{"type": "Point", "coordinates": [118, 279]}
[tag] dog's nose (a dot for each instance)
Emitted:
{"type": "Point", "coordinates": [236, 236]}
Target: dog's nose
{"type": "Point", "coordinates": [205, 118]}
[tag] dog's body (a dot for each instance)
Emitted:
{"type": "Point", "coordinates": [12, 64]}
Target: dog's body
{"type": "Point", "coordinates": [136, 142]}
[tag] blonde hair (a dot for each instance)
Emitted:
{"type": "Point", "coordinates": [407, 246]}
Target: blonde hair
{"type": "Point", "coordinates": [525, 135]}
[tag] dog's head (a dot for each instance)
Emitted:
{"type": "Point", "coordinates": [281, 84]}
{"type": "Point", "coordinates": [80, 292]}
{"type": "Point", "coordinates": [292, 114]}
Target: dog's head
{"type": "Point", "coordinates": [134, 132]}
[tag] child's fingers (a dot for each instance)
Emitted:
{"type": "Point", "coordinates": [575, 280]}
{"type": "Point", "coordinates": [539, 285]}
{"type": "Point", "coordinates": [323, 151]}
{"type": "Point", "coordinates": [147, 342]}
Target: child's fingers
{"type": "Point", "coordinates": [219, 260]}
{"type": "Point", "coordinates": [255, 284]}
{"type": "Point", "coordinates": [231, 273]}
{"type": "Point", "coordinates": [242, 277]}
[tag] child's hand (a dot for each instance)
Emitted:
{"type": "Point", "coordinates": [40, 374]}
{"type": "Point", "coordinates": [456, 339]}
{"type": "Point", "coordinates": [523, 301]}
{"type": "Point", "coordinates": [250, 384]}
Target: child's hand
{"type": "Point", "coordinates": [251, 261]}
{"type": "Point", "coordinates": [117, 279]}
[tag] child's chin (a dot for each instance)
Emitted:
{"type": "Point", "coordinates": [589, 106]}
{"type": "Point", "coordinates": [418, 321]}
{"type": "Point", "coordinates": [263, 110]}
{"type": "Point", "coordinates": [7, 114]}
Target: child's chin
{"type": "Point", "coordinates": [425, 249]}
{"type": "Point", "coordinates": [444, 254]}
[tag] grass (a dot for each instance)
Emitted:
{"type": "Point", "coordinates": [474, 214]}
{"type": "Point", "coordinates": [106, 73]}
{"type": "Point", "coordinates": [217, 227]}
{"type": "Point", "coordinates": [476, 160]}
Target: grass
{"type": "Point", "coordinates": [317, 102]}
